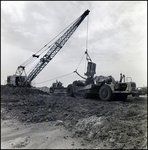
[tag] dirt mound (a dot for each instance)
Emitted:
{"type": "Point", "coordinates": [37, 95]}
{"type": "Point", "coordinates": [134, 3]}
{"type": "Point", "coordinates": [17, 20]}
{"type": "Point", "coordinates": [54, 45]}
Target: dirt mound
{"type": "Point", "coordinates": [44, 89]}
{"type": "Point", "coordinates": [5, 89]}
{"type": "Point", "coordinates": [102, 124]}
{"type": "Point", "coordinates": [20, 142]}
{"type": "Point", "coordinates": [112, 132]}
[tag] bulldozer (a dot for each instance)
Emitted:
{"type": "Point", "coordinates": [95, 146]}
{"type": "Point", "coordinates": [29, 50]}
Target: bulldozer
{"type": "Point", "coordinates": [104, 87]}
{"type": "Point", "coordinates": [57, 88]}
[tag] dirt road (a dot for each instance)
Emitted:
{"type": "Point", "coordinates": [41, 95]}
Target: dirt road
{"type": "Point", "coordinates": [45, 135]}
{"type": "Point", "coordinates": [33, 119]}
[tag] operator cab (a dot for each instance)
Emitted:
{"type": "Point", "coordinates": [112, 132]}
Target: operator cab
{"type": "Point", "coordinates": [15, 80]}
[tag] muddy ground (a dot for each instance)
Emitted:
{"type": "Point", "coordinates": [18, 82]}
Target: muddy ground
{"type": "Point", "coordinates": [89, 123]}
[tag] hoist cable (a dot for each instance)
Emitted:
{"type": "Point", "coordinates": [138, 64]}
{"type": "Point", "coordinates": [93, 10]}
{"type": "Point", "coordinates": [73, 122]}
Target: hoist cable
{"type": "Point", "coordinates": [29, 61]}
{"type": "Point", "coordinates": [55, 78]}
{"type": "Point", "coordinates": [85, 66]}
{"type": "Point", "coordinates": [32, 68]}
{"type": "Point", "coordinates": [86, 41]}
{"type": "Point", "coordinates": [57, 35]}
{"type": "Point", "coordinates": [46, 48]}
{"type": "Point", "coordinates": [23, 64]}
{"type": "Point", "coordinates": [87, 33]}
{"type": "Point", "coordinates": [80, 61]}
{"type": "Point", "coordinates": [30, 58]}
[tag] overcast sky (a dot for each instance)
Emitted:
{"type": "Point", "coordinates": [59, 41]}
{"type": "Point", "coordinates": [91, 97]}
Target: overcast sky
{"type": "Point", "coordinates": [117, 38]}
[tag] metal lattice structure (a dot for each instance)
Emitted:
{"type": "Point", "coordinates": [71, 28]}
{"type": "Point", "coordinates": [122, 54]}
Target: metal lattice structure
{"type": "Point", "coordinates": [55, 48]}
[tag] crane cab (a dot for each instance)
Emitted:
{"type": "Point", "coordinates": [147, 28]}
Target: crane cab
{"type": "Point", "coordinates": [15, 80]}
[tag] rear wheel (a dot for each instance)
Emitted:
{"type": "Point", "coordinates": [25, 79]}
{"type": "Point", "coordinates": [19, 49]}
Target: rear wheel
{"type": "Point", "coordinates": [69, 90]}
{"type": "Point", "coordinates": [105, 93]}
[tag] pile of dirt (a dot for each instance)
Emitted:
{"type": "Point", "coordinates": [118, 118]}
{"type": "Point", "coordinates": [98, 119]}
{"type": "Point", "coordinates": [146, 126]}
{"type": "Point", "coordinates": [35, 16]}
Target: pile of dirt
{"type": "Point", "coordinates": [44, 89]}
{"type": "Point", "coordinates": [5, 90]}
{"type": "Point", "coordinates": [102, 124]}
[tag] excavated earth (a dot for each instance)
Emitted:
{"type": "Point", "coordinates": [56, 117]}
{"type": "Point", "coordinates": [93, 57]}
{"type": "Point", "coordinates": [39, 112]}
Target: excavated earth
{"type": "Point", "coordinates": [99, 124]}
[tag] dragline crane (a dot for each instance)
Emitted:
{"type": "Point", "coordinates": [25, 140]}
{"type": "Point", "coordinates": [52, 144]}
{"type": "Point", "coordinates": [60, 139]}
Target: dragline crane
{"type": "Point", "coordinates": [19, 80]}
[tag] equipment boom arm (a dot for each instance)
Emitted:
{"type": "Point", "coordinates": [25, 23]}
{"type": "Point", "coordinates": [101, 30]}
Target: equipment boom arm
{"type": "Point", "coordinates": [55, 48]}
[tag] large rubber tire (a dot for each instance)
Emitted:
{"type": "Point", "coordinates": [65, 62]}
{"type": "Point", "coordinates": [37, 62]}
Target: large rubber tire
{"type": "Point", "coordinates": [69, 90]}
{"type": "Point", "coordinates": [105, 93]}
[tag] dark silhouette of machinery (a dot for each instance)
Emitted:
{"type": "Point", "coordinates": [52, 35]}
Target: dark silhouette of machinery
{"type": "Point", "coordinates": [104, 87]}
{"type": "Point", "coordinates": [57, 88]}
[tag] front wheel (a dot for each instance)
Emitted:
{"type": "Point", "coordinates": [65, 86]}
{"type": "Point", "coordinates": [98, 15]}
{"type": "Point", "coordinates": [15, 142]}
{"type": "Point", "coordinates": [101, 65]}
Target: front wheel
{"type": "Point", "coordinates": [105, 93]}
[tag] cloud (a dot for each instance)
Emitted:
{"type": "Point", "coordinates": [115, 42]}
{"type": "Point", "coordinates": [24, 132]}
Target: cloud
{"type": "Point", "coordinates": [117, 40]}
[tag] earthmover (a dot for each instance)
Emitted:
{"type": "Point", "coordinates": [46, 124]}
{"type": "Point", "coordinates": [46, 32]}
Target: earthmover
{"type": "Point", "coordinates": [18, 79]}
{"type": "Point", "coordinates": [104, 87]}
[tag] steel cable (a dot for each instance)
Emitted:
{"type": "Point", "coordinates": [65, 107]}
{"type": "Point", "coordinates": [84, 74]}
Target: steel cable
{"type": "Point", "coordinates": [55, 78]}
{"type": "Point", "coordinates": [29, 60]}
{"type": "Point", "coordinates": [57, 35]}
{"type": "Point", "coordinates": [86, 44]}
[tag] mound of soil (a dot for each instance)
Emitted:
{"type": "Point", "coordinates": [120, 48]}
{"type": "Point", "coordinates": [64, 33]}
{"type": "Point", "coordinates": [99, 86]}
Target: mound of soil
{"type": "Point", "coordinates": [8, 90]}
{"type": "Point", "coordinates": [102, 124]}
